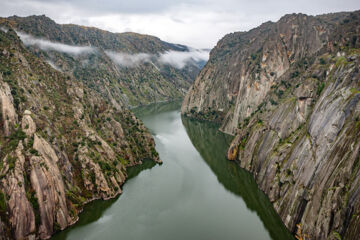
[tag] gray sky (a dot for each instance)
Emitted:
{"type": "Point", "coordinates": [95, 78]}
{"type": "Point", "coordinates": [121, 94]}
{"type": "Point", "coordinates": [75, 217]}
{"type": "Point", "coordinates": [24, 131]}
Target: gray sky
{"type": "Point", "coordinates": [197, 23]}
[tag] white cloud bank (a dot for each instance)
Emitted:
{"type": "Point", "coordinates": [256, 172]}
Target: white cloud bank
{"type": "Point", "coordinates": [180, 59]}
{"type": "Point", "coordinates": [128, 60]}
{"type": "Point", "coordinates": [47, 45]}
{"type": "Point", "coordinates": [176, 59]}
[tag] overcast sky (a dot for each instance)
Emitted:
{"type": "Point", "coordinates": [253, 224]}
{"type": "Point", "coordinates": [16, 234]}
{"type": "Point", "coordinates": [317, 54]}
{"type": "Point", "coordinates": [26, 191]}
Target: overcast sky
{"type": "Point", "coordinates": [197, 23]}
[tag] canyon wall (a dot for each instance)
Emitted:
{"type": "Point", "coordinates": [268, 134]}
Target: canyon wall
{"type": "Point", "coordinates": [289, 91]}
{"type": "Point", "coordinates": [61, 145]}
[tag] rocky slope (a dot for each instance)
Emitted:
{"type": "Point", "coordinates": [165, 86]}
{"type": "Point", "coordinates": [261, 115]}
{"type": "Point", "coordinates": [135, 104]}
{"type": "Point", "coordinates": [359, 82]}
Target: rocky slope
{"type": "Point", "coordinates": [127, 69]}
{"type": "Point", "coordinates": [290, 93]}
{"type": "Point", "coordinates": [61, 145]}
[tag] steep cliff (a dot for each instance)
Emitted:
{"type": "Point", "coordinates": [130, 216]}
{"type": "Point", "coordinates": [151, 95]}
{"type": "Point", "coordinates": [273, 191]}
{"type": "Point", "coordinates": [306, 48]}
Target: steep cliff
{"type": "Point", "coordinates": [290, 93]}
{"type": "Point", "coordinates": [244, 65]}
{"type": "Point", "coordinates": [125, 68]}
{"type": "Point", "coordinates": [61, 145]}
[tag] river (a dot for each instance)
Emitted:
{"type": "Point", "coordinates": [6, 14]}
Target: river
{"type": "Point", "coordinates": [195, 194]}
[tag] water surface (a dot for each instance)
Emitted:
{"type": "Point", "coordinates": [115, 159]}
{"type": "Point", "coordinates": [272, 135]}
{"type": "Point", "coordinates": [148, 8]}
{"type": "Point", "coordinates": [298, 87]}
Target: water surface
{"type": "Point", "coordinates": [195, 194]}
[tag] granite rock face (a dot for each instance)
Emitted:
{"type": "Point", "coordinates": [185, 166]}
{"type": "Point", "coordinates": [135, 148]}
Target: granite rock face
{"type": "Point", "coordinates": [61, 145]}
{"type": "Point", "coordinates": [21, 212]}
{"type": "Point", "coordinates": [297, 129]}
{"type": "Point", "coordinates": [7, 108]}
{"type": "Point", "coordinates": [244, 65]}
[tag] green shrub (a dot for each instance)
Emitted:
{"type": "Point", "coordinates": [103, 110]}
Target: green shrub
{"type": "Point", "coordinates": [30, 143]}
{"type": "Point", "coordinates": [273, 102]}
{"type": "Point", "coordinates": [34, 152]}
{"type": "Point", "coordinates": [320, 88]}
{"type": "Point", "coordinates": [295, 74]}
{"type": "Point", "coordinates": [246, 122]}
{"type": "Point", "coordinates": [11, 161]}
{"type": "Point", "coordinates": [154, 152]}
{"type": "Point", "coordinates": [280, 93]}
{"type": "Point", "coordinates": [15, 137]}
{"type": "Point", "coordinates": [34, 202]}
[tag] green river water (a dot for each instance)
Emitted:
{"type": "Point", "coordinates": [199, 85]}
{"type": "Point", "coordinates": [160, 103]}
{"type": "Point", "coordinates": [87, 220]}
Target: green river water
{"type": "Point", "coordinates": [195, 194]}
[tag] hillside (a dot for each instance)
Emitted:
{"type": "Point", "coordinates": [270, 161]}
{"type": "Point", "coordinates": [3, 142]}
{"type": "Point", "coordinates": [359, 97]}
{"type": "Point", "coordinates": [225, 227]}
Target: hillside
{"type": "Point", "coordinates": [289, 91]}
{"type": "Point", "coordinates": [61, 145]}
{"type": "Point", "coordinates": [127, 69]}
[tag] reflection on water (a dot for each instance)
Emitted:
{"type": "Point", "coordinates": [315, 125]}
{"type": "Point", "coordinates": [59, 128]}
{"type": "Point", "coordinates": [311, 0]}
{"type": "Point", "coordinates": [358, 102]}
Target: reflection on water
{"type": "Point", "coordinates": [195, 194]}
{"type": "Point", "coordinates": [134, 171]}
{"type": "Point", "coordinates": [212, 145]}
{"type": "Point", "coordinates": [156, 108]}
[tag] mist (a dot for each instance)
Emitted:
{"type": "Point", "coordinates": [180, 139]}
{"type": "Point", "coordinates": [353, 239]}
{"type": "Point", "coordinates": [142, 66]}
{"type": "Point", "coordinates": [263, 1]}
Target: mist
{"type": "Point", "coordinates": [47, 45]}
{"type": "Point", "coordinates": [3, 29]}
{"type": "Point", "coordinates": [176, 59]}
{"type": "Point", "coordinates": [181, 59]}
{"type": "Point", "coordinates": [128, 60]}
{"type": "Point", "coordinates": [53, 65]}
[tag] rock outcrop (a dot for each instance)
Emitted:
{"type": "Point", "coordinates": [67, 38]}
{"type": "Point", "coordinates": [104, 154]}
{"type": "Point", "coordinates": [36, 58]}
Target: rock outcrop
{"type": "Point", "coordinates": [8, 112]}
{"type": "Point", "coordinates": [61, 145]}
{"type": "Point", "coordinates": [294, 107]}
{"type": "Point", "coordinates": [21, 212]}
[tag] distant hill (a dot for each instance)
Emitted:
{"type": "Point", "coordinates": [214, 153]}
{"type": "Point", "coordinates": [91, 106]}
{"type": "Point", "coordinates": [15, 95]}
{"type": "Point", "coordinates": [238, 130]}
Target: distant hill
{"type": "Point", "coordinates": [127, 69]}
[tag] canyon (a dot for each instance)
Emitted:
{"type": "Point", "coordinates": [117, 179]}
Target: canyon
{"type": "Point", "coordinates": [286, 96]}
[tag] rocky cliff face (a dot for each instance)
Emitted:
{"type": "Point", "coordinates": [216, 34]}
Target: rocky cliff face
{"type": "Point", "coordinates": [127, 69]}
{"type": "Point", "coordinates": [244, 65]}
{"type": "Point", "coordinates": [61, 145]}
{"type": "Point", "coordinates": [290, 93]}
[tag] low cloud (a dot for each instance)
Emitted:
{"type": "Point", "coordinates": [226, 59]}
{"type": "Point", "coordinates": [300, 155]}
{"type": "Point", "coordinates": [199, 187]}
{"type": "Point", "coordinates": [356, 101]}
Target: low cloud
{"type": "Point", "coordinates": [176, 59]}
{"type": "Point", "coordinates": [181, 59]}
{"type": "Point", "coordinates": [3, 29]}
{"type": "Point", "coordinates": [47, 45]}
{"type": "Point", "coordinates": [53, 65]}
{"type": "Point", "coordinates": [128, 60]}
